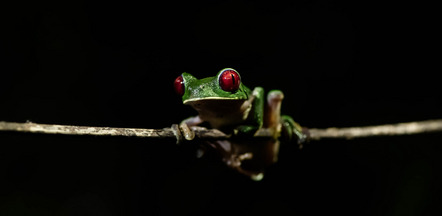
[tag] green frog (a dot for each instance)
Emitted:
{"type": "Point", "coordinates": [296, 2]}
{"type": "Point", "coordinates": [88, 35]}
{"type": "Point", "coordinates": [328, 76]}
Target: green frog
{"type": "Point", "coordinates": [228, 105]}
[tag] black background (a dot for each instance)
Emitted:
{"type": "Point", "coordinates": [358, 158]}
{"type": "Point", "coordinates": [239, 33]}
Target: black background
{"type": "Point", "coordinates": [339, 63]}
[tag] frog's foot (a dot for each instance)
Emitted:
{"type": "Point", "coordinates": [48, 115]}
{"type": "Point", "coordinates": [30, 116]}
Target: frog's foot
{"type": "Point", "coordinates": [184, 131]}
{"type": "Point", "coordinates": [293, 131]}
{"type": "Point", "coordinates": [186, 124]}
{"type": "Point", "coordinates": [235, 161]}
{"type": "Point", "coordinates": [245, 130]}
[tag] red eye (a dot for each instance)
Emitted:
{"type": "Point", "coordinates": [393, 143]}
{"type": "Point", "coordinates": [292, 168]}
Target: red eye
{"type": "Point", "coordinates": [179, 85]}
{"type": "Point", "coordinates": [229, 80]}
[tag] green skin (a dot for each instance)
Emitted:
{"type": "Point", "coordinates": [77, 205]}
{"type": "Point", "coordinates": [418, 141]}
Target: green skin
{"type": "Point", "coordinates": [244, 111]}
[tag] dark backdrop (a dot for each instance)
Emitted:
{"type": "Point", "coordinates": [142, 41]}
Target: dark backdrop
{"type": "Point", "coordinates": [339, 63]}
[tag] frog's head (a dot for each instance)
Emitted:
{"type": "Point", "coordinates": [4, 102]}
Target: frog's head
{"type": "Point", "coordinates": [226, 85]}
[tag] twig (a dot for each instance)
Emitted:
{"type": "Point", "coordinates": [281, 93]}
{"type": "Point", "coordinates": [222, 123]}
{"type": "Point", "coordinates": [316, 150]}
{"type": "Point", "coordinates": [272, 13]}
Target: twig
{"type": "Point", "coordinates": [31, 127]}
{"type": "Point", "coordinates": [203, 133]}
{"type": "Point", "coordinates": [83, 130]}
{"type": "Point", "coordinates": [379, 130]}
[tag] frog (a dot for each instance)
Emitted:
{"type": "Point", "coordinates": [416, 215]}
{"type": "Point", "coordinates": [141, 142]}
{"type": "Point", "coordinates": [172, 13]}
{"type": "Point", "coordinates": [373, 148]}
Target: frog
{"type": "Point", "coordinates": [226, 104]}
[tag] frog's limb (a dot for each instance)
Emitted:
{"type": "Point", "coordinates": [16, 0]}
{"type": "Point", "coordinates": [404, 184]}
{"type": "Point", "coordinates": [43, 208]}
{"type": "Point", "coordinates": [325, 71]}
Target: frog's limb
{"type": "Point", "coordinates": [292, 130]}
{"type": "Point", "coordinates": [272, 116]}
{"type": "Point", "coordinates": [273, 108]}
{"type": "Point", "coordinates": [233, 155]}
{"type": "Point", "coordinates": [282, 123]}
{"type": "Point", "coordinates": [254, 114]}
{"type": "Point", "coordinates": [235, 160]}
{"type": "Point", "coordinates": [186, 124]}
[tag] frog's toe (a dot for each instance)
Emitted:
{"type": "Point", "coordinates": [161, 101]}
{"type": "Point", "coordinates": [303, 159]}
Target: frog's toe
{"type": "Point", "coordinates": [257, 176]}
{"type": "Point", "coordinates": [187, 132]}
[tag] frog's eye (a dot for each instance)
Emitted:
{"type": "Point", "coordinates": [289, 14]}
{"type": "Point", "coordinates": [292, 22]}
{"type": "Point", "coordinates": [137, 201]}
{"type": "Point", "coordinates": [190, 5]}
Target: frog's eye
{"type": "Point", "coordinates": [179, 85]}
{"type": "Point", "coordinates": [229, 80]}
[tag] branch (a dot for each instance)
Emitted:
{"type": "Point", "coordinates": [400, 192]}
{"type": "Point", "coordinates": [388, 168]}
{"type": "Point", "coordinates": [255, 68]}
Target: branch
{"type": "Point", "coordinates": [83, 130]}
{"type": "Point", "coordinates": [31, 127]}
{"type": "Point", "coordinates": [203, 133]}
{"type": "Point", "coordinates": [379, 130]}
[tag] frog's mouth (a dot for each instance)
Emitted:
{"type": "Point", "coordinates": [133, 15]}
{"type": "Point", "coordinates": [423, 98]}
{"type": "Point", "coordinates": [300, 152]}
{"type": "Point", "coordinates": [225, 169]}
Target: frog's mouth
{"type": "Point", "coordinates": [211, 100]}
{"type": "Point", "coordinates": [216, 104]}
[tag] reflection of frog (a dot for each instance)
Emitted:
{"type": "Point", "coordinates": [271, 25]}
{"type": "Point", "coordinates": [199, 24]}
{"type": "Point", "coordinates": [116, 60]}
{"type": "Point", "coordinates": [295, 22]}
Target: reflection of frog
{"type": "Point", "coordinates": [228, 105]}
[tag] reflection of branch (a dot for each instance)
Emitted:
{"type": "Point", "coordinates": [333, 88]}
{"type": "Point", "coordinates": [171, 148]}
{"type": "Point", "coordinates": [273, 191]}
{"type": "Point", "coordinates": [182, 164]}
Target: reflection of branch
{"type": "Point", "coordinates": [203, 133]}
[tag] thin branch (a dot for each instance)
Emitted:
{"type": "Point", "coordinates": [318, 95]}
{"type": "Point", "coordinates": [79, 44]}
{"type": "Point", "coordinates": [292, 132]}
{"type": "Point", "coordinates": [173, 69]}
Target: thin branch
{"type": "Point", "coordinates": [203, 133]}
{"type": "Point", "coordinates": [30, 127]}
{"type": "Point", "coordinates": [83, 130]}
{"type": "Point", "coordinates": [379, 130]}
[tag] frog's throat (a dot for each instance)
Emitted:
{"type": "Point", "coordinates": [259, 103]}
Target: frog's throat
{"type": "Point", "coordinates": [189, 101]}
{"type": "Point", "coordinates": [222, 112]}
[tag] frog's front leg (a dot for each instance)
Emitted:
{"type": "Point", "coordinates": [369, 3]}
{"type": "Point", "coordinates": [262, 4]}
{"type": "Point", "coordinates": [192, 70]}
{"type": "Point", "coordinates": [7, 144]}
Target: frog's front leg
{"type": "Point", "coordinates": [186, 124]}
{"type": "Point", "coordinates": [254, 110]}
